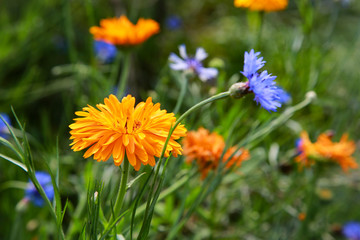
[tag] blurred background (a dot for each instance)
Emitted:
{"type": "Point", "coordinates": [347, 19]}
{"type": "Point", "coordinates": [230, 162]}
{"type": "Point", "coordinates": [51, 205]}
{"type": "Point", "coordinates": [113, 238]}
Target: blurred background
{"type": "Point", "coordinates": [49, 69]}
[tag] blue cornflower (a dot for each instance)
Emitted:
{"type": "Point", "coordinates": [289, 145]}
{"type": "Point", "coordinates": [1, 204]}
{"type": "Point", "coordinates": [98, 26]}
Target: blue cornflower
{"type": "Point", "coordinates": [105, 52]}
{"type": "Point", "coordinates": [262, 84]}
{"type": "Point", "coordinates": [351, 230]}
{"type": "Point", "coordinates": [33, 195]}
{"type": "Point", "coordinates": [173, 22]}
{"type": "Point", "coordinates": [192, 64]}
{"type": "Point", "coordinates": [3, 128]}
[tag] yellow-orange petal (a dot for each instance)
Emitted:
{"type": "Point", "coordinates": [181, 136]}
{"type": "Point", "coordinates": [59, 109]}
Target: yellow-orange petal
{"type": "Point", "coordinates": [117, 128]}
{"type": "Point", "coordinates": [262, 5]}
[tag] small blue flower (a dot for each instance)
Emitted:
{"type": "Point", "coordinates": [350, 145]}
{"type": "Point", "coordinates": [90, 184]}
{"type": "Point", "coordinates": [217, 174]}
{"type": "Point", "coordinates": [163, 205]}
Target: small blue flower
{"type": "Point", "coordinates": [193, 64]}
{"type": "Point", "coordinates": [173, 22]}
{"type": "Point", "coordinates": [33, 195]}
{"type": "Point", "coordinates": [3, 128]}
{"type": "Point", "coordinates": [262, 84]}
{"type": "Point", "coordinates": [351, 230]}
{"type": "Point", "coordinates": [104, 51]}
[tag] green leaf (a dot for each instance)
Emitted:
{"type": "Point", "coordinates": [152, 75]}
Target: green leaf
{"type": "Point", "coordinates": [130, 183]}
{"type": "Point", "coordinates": [17, 163]}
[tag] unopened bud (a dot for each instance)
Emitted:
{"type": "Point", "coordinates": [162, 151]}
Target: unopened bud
{"type": "Point", "coordinates": [240, 89]}
{"type": "Point", "coordinates": [311, 95]}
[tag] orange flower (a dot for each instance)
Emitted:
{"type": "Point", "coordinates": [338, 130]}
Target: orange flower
{"type": "Point", "coordinates": [324, 148]}
{"type": "Point", "coordinates": [305, 149]}
{"type": "Point", "coordinates": [302, 216]}
{"type": "Point", "coordinates": [339, 152]}
{"type": "Point", "coordinates": [120, 31]}
{"type": "Point", "coordinates": [262, 5]}
{"type": "Point", "coordinates": [119, 127]}
{"type": "Point", "coordinates": [207, 149]}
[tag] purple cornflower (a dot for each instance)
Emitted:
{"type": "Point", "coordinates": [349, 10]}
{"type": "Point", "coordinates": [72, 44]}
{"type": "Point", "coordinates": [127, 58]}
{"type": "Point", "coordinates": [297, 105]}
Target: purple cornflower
{"type": "Point", "coordinates": [104, 51]}
{"type": "Point", "coordinates": [3, 127]}
{"type": "Point", "coordinates": [192, 64]}
{"type": "Point", "coordinates": [351, 230]}
{"type": "Point", "coordinates": [33, 195]}
{"type": "Point", "coordinates": [262, 84]}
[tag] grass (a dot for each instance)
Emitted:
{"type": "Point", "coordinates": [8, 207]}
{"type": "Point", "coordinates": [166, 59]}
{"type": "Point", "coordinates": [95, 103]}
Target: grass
{"type": "Point", "coordinates": [49, 71]}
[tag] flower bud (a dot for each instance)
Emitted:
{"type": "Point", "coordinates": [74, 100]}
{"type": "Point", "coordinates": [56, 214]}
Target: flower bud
{"type": "Point", "coordinates": [239, 89]}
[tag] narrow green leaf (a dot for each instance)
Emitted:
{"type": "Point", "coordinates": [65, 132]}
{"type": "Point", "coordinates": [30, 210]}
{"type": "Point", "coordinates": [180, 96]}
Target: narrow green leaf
{"type": "Point", "coordinates": [17, 163]}
{"type": "Point", "coordinates": [130, 183]}
{"type": "Point", "coordinates": [12, 132]}
{"type": "Point", "coordinates": [10, 146]}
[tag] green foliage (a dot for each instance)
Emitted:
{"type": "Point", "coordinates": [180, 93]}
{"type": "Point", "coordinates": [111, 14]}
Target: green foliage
{"type": "Point", "coordinates": [49, 71]}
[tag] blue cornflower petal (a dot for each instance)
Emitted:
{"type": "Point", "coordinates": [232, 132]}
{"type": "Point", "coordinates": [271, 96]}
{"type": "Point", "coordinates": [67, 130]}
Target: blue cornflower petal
{"type": "Point", "coordinates": [192, 64]}
{"type": "Point", "coordinates": [266, 93]}
{"type": "Point", "coordinates": [3, 127]}
{"type": "Point", "coordinates": [182, 50]}
{"type": "Point", "coordinates": [351, 230]}
{"type": "Point", "coordinates": [299, 145]}
{"type": "Point", "coordinates": [177, 63]}
{"type": "Point", "coordinates": [284, 97]}
{"type": "Point", "coordinates": [33, 195]}
{"type": "Point", "coordinates": [252, 63]}
{"type": "Point", "coordinates": [173, 22]}
{"type": "Point", "coordinates": [200, 54]}
{"type": "Point", "coordinates": [206, 74]}
{"type": "Point", "coordinates": [104, 51]}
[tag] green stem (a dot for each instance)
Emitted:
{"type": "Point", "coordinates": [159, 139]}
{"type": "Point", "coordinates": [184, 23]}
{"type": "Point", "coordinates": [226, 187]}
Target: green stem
{"type": "Point", "coordinates": [184, 82]}
{"type": "Point", "coordinates": [122, 190]}
{"type": "Point", "coordinates": [115, 68]}
{"type": "Point", "coordinates": [311, 206]}
{"type": "Point", "coordinates": [153, 198]}
{"type": "Point", "coordinates": [124, 74]}
{"type": "Point", "coordinates": [195, 107]}
{"type": "Point", "coordinates": [178, 184]}
{"type": "Point", "coordinates": [69, 32]}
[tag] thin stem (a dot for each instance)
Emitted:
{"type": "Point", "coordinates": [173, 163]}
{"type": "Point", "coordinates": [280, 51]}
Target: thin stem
{"type": "Point", "coordinates": [115, 68]}
{"type": "Point", "coordinates": [195, 107]}
{"type": "Point", "coordinates": [122, 190]}
{"type": "Point", "coordinates": [184, 82]}
{"type": "Point", "coordinates": [178, 184]}
{"type": "Point", "coordinates": [153, 197]}
{"type": "Point", "coordinates": [124, 74]}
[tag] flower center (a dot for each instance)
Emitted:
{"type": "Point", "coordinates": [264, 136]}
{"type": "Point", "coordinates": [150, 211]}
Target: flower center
{"type": "Point", "coordinates": [135, 126]}
{"type": "Point", "coordinates": [193, 64]}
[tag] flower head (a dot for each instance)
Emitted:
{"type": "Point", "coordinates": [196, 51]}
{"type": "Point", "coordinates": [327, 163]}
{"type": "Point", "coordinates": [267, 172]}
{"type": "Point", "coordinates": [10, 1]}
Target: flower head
{"type": "Point", "coordinates": [105, 52]}
{"type": "Point", "coordinates": [326, 150]}
{"type": "Point", "coordinates": [173, 22]}
{"type": "Point", "coordinates": [3, 127]}
{"type": "Point", "coordinates": [262, 5]}
{"type": "Point", "coordinates": [351, 230]}
{"type": "Point", "coordinates": [206, 148]}
{"type": "Point", "coordinates": [261, 84]}
{"type": "Point", "coordinates": [120, 31]}
{"type": "Point", "coordinates": [116, 128]}
{"type": "Point", "coordinates": [33, 195]}
{"type": "Point", "coordinates": [192, 64]}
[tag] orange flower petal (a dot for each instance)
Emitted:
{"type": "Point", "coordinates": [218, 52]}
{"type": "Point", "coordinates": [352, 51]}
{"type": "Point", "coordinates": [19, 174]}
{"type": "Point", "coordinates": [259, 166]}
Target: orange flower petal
{"type": "Point", "coordinates": [116, 128]}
